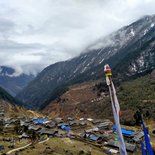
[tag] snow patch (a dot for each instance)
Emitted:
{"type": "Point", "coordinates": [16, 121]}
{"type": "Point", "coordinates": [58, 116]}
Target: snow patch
{"type": "Point", "coordinates": [145, 31]}
{"type": "Point", "coordinates": [132, 32]}
{"type": "Point", "coordinates": [83, 69]}
{"type": "Point", "coordinates": [92, 60]}
{"type": "Point", "coordinates": [76, 69]}
{"type": "Point", "coordinates": [152, 25]}
{"type": "Point", "coordinates": [101, 61]}
{"type": "Point", "coordinates": [100, 51]}
{"type": "Point", "coordinates": [84, 56]}
{"type": "Point", "coordinates": [109, 52]}
{"type": "Point", "coordinates": [141, 61]}
{"type": "Point", "coordinates": [134, 68]}
{"type": "Point", "coordinates": [88, 64]}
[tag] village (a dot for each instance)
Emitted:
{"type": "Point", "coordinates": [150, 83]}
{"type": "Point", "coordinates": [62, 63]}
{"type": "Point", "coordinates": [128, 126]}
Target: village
{"type": "Point", "coordinates": [18, 134]}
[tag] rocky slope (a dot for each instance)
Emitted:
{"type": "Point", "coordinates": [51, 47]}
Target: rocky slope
{"type": "Point", "coordinates": [67, 104]}
{"type": "Point", "coordinates": [11, 82]}
{"type": "Point", "coordinates": [130, 51]}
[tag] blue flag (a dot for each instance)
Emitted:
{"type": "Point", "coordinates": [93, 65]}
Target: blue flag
{"type": "Point", "coordinates": [143, 149]}
{"type": "Point", "coordinates": [148, 146]}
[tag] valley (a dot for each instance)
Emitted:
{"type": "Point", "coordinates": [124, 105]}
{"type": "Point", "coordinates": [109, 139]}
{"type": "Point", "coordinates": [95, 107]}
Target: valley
{"type": "Point", "coordinates": [66, 108]}
{"type": "Point", "coordinates": [86, 109]}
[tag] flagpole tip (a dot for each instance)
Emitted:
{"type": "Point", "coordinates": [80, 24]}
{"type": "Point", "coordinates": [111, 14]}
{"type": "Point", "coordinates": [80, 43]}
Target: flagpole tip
{"type": "Point", "coordinates": [107, 70]}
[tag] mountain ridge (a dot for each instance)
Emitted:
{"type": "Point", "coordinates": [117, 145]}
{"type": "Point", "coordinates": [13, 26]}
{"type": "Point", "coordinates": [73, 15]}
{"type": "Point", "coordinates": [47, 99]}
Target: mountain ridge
{"type": "Point", "coordinates": [13, 82]}
{"type": "Point", "coordinates": [135, 41]}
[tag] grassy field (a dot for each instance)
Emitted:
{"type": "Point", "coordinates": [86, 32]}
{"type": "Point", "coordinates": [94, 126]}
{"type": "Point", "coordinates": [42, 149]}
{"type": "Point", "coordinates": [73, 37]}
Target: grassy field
{"type": "Point", "coordinates": [7, 144]}
{"type": "Point", "coordinates": [8, 133]}
{"type": "Point", "coordinates": [62, 146]}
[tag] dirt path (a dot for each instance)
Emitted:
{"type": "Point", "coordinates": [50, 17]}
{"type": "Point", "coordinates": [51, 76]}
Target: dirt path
{"type": "Point", "coordinates": [23, 147]}
{"type": "Point", "coordinates": [44, 141]}
{"type": "Point", "coordinates": [17, 149]}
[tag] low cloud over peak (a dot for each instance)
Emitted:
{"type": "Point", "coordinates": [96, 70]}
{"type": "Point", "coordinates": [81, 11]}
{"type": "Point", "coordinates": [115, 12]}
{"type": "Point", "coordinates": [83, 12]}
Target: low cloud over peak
{"type": "Point", "coordinates": [37, 33]}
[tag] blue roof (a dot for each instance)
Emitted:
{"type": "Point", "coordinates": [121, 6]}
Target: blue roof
{"type": "Point", "coordinates": [65, 127]}
{"type": "Point", "coordinates": [39, 120]}
{"type": "Point", "coordinates": [93, 137]}
{"type": "Point", "coordinates": [124, 131]}
{"type": "Point", "coordinates": [1, 147]}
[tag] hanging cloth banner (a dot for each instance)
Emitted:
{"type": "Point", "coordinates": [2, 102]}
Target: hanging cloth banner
{"type": "Point", "coordinates": [115, 109]}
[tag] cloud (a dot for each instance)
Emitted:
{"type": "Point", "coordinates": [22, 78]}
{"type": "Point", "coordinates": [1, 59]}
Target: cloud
{"type": "Point", "coordinates": [37, 33]}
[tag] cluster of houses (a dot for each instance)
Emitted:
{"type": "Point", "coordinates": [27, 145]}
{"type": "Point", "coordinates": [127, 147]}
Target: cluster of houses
{"type": "Point", "coordinates": [94, 131]}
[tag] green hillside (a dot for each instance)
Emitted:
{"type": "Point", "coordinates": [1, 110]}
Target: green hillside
{"type": "Point", "coordinates": [138, 94]}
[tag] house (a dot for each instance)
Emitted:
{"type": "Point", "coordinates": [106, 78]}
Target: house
{"type": "Point", "coordinates": [24, 135]}
{"type": "Point", "coordinates": [70, 119]}
{"type": "Point", "coordinates": [97, 121]}
{"type": "Point", "coordinates": [34, 127]}
{"type": "Point", "coordinates": [58, 120]}
{"type": "Point", "coordinates": [50, 133]}
{"type": "Point", "coordinates": [74, 123]}
{"type": "Point", "coordinates": [104, 125]}
{"type": "Point", "coordinates": [106, 134]}
{"type": "Point", "coordinates": [92, 137]}
{"type": "Point", "coordinates": [125, 132]}
{"type": "Point", "coordinates": [93, 129]}
{"type": "Point", "coordinates": [138, 137]}
{"type": "Point", "coordinates": [24, 124]}
{"type": "Point", "coordinates": [90, 119]}
{"type": "Point", "coordinates": [40, 121]}
{"type": "Point", "coordinates": [82, 123]}
{"type": "Point", "coordinates": [82, 119]}
{"type": "Point", "coordinates": [11, 121]}
{"type": "Point", "coordinates": [50, 125]}
{"type": "Point", "coordinates": [62, 124]}
{"type": "Point", "coordinates": [110, 151]}
{"type": "Point", "coordinates": [129, 147]}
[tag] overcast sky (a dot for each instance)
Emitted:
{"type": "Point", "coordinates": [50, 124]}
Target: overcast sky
{"type": "Point", "coordinates": [37, 33]}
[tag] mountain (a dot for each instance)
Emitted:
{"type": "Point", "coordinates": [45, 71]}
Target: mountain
{"type": "Point", "coordinates": [7, 97]}
{"type": "Point", "coordinates": [91, 100]}
{"type": "Point", "coordinates": [11, 82]}
{"type": "Point", "coordinates": [8, 104]}
{"type": "Point", "coordinates": [130, 51]}
{"type": "Point", "coordinates": [9, 107]}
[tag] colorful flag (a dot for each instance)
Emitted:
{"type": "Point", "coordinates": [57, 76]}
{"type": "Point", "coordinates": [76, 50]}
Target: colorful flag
{"type": "Point", "coordinates": [148, 146]}
{"type": "Point", "coordinates": [107, 70]}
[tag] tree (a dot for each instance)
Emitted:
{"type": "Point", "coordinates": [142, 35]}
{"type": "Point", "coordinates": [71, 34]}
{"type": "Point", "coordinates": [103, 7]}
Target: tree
{"type": "Point", "coordinates": [137, 117]}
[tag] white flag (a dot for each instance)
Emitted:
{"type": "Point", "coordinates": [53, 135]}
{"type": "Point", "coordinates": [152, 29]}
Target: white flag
{"type": "Point", "coordinates": [116, 111]}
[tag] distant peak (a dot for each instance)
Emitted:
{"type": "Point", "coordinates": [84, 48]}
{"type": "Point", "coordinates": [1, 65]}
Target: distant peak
{"type": "Point", "coordinates": [8, 71]}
